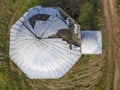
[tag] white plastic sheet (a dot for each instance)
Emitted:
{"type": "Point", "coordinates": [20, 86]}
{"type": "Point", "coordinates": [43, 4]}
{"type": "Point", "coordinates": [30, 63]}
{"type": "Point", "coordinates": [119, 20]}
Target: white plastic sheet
{"type": "Point", "coordinates": [91, 42]}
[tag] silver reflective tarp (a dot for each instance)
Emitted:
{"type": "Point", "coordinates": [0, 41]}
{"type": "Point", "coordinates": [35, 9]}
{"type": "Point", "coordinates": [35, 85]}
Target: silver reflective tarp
{"type": "Point", "coordinates": [38, 56]}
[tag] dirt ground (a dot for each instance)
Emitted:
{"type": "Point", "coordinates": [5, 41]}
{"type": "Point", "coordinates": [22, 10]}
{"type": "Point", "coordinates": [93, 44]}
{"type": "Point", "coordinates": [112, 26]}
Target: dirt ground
{"type": "Point", "coordinates": [113, 26]}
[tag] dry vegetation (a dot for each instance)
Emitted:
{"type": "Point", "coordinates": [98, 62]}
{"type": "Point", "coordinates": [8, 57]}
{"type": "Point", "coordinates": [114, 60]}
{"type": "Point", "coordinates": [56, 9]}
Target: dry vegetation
{"type": "Point", "coordinates": [89, 73]}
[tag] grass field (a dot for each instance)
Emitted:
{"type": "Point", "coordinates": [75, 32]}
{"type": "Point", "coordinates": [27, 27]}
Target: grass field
{"type": "Point", "coordinates": [89, 73]}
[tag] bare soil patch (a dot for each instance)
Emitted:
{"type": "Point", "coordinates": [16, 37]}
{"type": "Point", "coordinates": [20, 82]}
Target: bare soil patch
{"type": "Point", "coordinates": [113, 26]}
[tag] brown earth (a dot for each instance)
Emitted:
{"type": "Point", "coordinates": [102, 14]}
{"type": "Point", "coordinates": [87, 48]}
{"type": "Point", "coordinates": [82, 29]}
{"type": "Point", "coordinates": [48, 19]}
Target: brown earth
{"type": "Point", "coordinates": [113, 26]}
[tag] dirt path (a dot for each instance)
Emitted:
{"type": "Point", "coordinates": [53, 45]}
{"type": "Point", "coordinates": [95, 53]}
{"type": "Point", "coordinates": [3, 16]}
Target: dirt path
{"type": "Point", "coordinates": [113, 26]}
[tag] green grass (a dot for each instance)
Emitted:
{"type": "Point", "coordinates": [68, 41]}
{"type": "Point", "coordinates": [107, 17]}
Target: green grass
{"type": "Point", "coordinates": [79, 77]}
{"type": "Point", "coordinates": [118, 6]}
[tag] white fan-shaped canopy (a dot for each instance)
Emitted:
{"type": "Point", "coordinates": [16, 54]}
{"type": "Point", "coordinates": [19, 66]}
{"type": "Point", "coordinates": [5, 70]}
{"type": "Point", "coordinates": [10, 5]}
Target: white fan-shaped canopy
{"type": "Point", "coordinates": [38, 56]}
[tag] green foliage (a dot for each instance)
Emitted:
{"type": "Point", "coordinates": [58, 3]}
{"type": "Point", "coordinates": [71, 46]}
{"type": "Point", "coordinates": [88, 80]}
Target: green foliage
{"type": "Point", "coordinates": [90, 15]}
{"type": "Point", "coordinates": [85, 18]}
{"type": "Point", "coordinates": [118, 6]}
